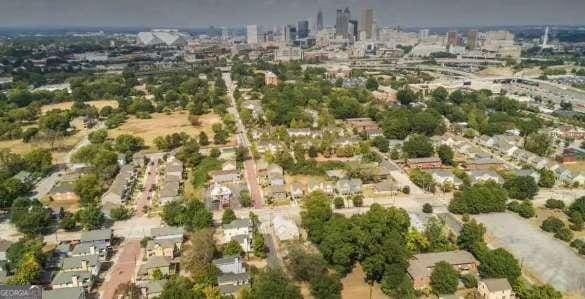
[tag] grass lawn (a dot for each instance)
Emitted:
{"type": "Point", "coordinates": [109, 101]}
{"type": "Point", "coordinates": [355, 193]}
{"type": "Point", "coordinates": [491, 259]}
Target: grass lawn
{"type": "Point", "coordinates": [67, 105]}
{"type": "Point", "coordinates": [162, 124]}
{"type": "Point", "coordinates": [195, 185]}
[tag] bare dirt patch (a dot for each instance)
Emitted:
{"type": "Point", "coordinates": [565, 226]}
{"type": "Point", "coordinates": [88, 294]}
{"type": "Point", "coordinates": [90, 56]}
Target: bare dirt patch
{"type": "Point", "coordinates": [162, 124]}
{"type": "Point", "coordinates": [354, 286]}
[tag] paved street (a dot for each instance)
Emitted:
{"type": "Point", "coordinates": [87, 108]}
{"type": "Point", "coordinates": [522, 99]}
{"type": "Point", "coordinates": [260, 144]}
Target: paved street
{"type": "Point", "coordinates": [147, 195]}
{"type": "Point", "coordinates": [123, 268]}
{"type": "Point", "coordinates": [250, 173]}
{"type": "Point", "coordinates": [547, 258]}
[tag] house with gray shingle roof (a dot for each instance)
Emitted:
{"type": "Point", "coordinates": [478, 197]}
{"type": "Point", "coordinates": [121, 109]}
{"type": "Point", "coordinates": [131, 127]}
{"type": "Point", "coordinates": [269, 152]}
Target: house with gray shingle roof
{"type": "Point", "coordinates": [65, 293]}
{"type": "Point", "coordinates": [421, 265]}
{"type": "Point", "coordinates": [71, 279]}
{"type": "Point", "coordinates": [89, 263]}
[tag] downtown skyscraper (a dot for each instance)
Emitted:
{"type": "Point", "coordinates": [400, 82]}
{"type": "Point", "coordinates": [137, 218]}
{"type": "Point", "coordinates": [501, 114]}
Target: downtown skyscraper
{"type": "Point", "coordinates": [319, 22]}
{"type": "Point", "coordinates": [367, 22]}
{"type": "Point", "coordinates": [342, 23]}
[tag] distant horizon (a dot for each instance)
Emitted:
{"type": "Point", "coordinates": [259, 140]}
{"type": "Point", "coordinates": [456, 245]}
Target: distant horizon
{"type": "Point", "coordinates": [236, 13]}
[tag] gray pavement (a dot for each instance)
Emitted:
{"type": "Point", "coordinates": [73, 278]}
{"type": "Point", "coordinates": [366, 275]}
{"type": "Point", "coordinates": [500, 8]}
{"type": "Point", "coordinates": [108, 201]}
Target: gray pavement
{"type": "Point", "coordinates": [548, 259]}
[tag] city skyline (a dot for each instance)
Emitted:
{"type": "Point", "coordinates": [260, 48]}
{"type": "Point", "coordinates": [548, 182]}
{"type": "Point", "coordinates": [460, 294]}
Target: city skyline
{"type": "Point", "coordinates": [198, 13]}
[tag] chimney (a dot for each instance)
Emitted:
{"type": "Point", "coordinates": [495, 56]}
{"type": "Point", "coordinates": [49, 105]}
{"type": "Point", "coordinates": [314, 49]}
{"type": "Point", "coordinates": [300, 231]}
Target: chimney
{"type": "Point", "coordinates": [84, 265]}
{"type": "Point", "coordinates": [75, 280]}
{"type": "Point", "coordinates": [92, 249]}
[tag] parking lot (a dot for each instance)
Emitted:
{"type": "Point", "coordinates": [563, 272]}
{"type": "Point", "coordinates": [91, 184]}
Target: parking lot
{"type": "Point", "coordinates": [546, 258]}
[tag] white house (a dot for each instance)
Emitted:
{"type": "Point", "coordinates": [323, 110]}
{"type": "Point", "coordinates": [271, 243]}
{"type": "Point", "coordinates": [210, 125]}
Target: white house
{"type": "Point", "coordinates": [495, 288]}
{"type": "Point", "coordinates": [235, 228]}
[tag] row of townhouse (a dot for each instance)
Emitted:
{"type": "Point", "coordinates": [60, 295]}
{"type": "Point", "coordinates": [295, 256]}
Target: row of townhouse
{"type": "Point", "coordinates": [232, 275]}
{"type": "Point", "coordinates": [266, 133]}
{"type": "Point", "coordinates": [365, 126]}
{"type": "Point", "coordinates": [271, 178]}
{"type": "Point", "coordinates": [509, 147]}
{"type": "Point", "coordinates": [477, 158]}
{"type": "Point", "coordinates": [172, 181]}
{"type": "Point", "coordinates": [343, 187]}
{"type": "Point", "coordinates": [80, 262]}
{"type": "Point", "coordinates": [121, 188]}
{"type": "Point", "coordinates": [161, 253]}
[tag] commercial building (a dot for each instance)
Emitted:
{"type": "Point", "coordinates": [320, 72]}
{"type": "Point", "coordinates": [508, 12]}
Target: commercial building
{"type": "Point", "coordinates": [162, 37]}
{"type": "Point", "coordinates": [319, 23]}
{"type": "Point", "coordinates": [367, 23]}
{"type": "Point", "coordinates": [252, 34]}
{"type": "Point", "coordinates": [302, 29]}
{"type": "Point", "coordinates": [342, 23]}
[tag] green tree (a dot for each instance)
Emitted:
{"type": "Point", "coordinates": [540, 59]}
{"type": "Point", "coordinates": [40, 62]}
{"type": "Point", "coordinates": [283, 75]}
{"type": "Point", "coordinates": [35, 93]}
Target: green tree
{"type": "Point", "coordinates": [499, 263]}
{"type": "Point", "coordinates": [480, 198]}
{"type": "Point", "coordinates": [179, 287]}
{"type": "Point", "coordinates": [538, 143]}
{"type": "Point", "coordinates": [326, 286]}
{"type": "Point", "coordinates": [445, 154]}
{"type": "Point", "coordinates": [418, 146]}
{"type": "Point", "coordinates": [427, 208]}
{"type": "Point", "coordinates": [233, 248]}
{"type": "Point", "coordinates": [203, 139]}
{"type": "Point", "coordinates": [259, 245]}
{"type": "Point", "coordinates": [357, 200]}
{"type": "Point", "coordinates": [29, 271]}
{"type": "Point", "coordinates": [316, 211]}
{"type": "Point", "coordinates": [89, 188]}
{"type": "Point", "coordinates": [471, 234]}
{"type": "Point", "coordinates": [552, 203]}
{"type": "Point", "coordinates": [440, 94]}
{"type": "Point", "coordinates": [198, 254]}
{"type": "Point", "coordinates": [29, 216]}
{"type": "Point", "coordinates": [372, 84]}
{"type": "Point", "coordinates": [444, 278]}
{"type": "Point", "coordinates": [91, 217]}
{"type": "Point", "coordinates": [98, 137]}
{"type": "Point", "coordinates": [339, 203]}
{"type": "Point", "coordinates": [381, 143]}
{"type": "Point", "coordinates": [38, 161]}
{"type": "Point", "coordinates": [521, 187]}
{"type": "Point", "coordinates": [228, 216]}
{"type": "Point", "coordinates": [121, 213]}
{"type": "Point", "coordinates": [406, 96]}
{"type": "Point", "coordinates": [126, 143]}
{"type": "Point", "coordinates": [547, 178]}
{"type": "Point", "coordinates": [273, 284]}
{"type": "Point", "coordinates": [422, 179]}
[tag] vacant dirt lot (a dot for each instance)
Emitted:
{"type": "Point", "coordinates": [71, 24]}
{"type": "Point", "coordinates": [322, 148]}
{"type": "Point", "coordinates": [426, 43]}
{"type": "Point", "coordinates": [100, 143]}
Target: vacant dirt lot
{"type": "Point", "coordinates": [162, 124]}
{"type": "Point", "coordinates": [60, 148]}
{"type": "Point", "coordinates": [354, 286]}
{"type": "Point", "coordinates": [67, 105]}
{"type": "Point", "coordinates": [548, 259]}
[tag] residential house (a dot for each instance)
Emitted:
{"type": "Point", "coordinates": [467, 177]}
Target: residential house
{"type": "Point", "coordinates": [361, 124]}
{"type": "Point", "coordinates": [164, 247]}
{"type": "Point", "coordinates": [579, 178]}
{"type": "Point", "coordinates": [90, 263]}
{"type": "Point", "coordinates": [65, 293]}
{"type": "Point", "coordinates": [121, 188]}
{"type": "Point", "coordinates": [285, 229]}
{"type": "Point", "coordinates": [443, 177]}
{"type": "Point", "coordinates": [233, 274]}
{"type": "Point", "coordinates": [268, 147]}
{"type": "Point", "coordinates": [235, 228]}
{"type": "Point", "coordinates": [270, 79]}
{"type": "Point", "coordinates": [276, 192]}
{"type": "Point", "coordinates": [372, 133]}
{"type": "Point", "coordinates": [270, 174]}
{"type": "Point", "coordinates": [478, 176]}
{"type": "Point", "coordinates": [539, 163]}
{"type": "Point", "coordinates": [346, 141]}
{"type": "Point", "coordinates": [348, 187]}
{"type": "Point", "coordinates": [255, 107]}
{"type": "Point", "coordinates": [170, 191]}
{"type": "Point", "coordinates": [73, 279]}
{"type": "Point", "coordinates": [152, 289]}
{"type": "Point", "coordinates": [225, 176]}
{"type": "Point", "coordinates": [300, 132]}
{"type": "Point", "coordinates": [326, 187]}
{"type": "Point", "coordinates": [164, 264]}
{"type": "Point", "coordinates": [336, 174]}
{"type": "Point", "coordinates": [174, 167]}
{"type": "Point", "coordinates": [421, 265]}
{"type": "Point", "coordinates": [97, 236]}
{"type": "Point", "coordinates": [484, 164]}
{"type": "Point", "coordinates": [220, 196]}
{"type": "Point", "coordinates": [495, 288]}
{"type": "Point", "coordinates": [167, 233]}
{"type": "Point", "coordinates": [424, 163]}
{"type": "Point", "coordinates": [296, 191]}
{"type": "Point", "coordinates": [88, 249]}
{"type": "Point", "coordinates": [24, 177]}
{"type": "Point", "coordinates": [229, 165]}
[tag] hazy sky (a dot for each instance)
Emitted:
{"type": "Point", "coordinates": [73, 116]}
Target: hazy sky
{"type": "Point", "coordinates": [197, 13]}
